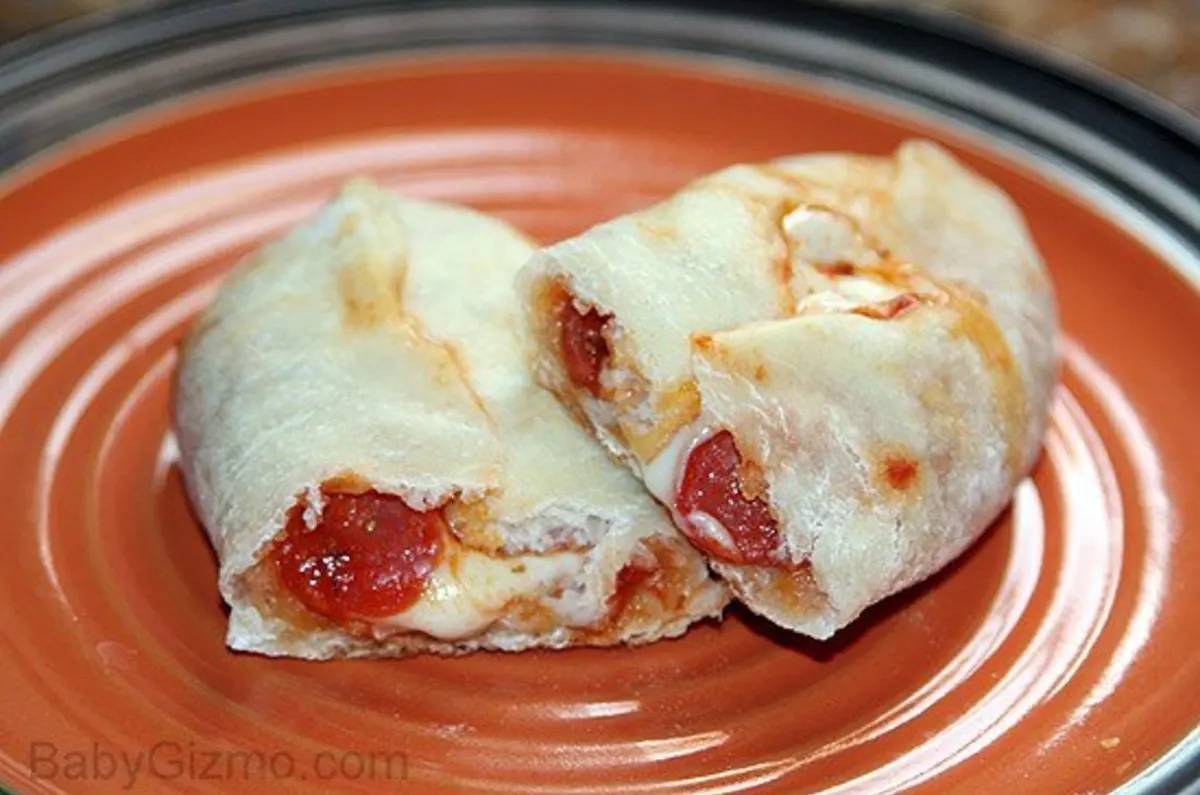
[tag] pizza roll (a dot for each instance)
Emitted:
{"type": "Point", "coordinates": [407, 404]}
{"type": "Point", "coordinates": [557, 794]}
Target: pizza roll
{"type": "Point", "coordinates": [377, 471]}
{"type": "Point", "coordinates": [833, 369]}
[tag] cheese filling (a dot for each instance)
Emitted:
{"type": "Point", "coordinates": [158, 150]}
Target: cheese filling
{"type": "Point", "coordinates": [664, 472]}
{"type": "Point", "coordinates": [463, 597]}
{"type": "Point", "coordinates": [709, 532]}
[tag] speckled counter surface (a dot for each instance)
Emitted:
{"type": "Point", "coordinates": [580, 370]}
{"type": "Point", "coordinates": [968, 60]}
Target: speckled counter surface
{"type": "Point", "coordinates": [1153, 42]}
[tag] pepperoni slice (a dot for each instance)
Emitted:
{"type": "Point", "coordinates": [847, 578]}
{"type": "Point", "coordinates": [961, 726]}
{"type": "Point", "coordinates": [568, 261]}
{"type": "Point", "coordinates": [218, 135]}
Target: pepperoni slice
{"type": "Point", "coordinates": [585, 352]}
{"type": "Point", "coordinates": [711, 484]}
{"type": "Point", "coordinates": [368, 558]}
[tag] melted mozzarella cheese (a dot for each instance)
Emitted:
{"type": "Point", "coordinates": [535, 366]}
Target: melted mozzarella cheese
{"type": "Point", "coordinates": [848, 293]}
{"type": "Point", "coordinates": [706, 527]}
{"type": "Point", "coordinates": [465, 599]}
{"type": "Point", "coordinates": [663, 473]}
{"type": "Point", "coordinates": [821, 237]}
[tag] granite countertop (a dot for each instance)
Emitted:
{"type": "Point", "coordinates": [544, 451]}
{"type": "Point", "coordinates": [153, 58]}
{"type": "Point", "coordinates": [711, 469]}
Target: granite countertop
{"type": "Point", "coordinates": [1155, 43]}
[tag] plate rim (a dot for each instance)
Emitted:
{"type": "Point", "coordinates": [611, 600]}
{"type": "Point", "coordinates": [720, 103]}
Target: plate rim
{"type": "Point", "coordinates": [53, 46]}
{"type": "Point", "coordinates": [43, 62]}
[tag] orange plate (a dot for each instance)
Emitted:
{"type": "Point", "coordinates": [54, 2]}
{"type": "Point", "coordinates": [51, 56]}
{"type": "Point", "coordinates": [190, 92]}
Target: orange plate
{"type": "Point", "coordinates": [1057, 656]}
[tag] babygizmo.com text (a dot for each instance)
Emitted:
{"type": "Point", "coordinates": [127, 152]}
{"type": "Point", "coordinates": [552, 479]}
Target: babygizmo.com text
{"type": "Point", "coordinates": [169, 760]}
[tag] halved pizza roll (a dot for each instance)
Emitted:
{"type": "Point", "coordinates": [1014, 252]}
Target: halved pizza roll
{"type": "Point", "coordinates": [378, 473]}
{"type": "Point", "coordinates": [834, 369]}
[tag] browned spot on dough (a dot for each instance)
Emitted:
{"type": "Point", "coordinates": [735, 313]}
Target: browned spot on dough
{"type": "Point", "coordinates": [936, 391]}
{"type": "Point", "coordinates": [747, 364]}
{"type": "Point", "coordinates": [450, 365]}
{"type": "Point", "coordinates": [796, 591]}
{"type": "Point", "coordinates": [454, 366]}
{"type": "Point", "coordinates": [372, 292]}
{"type": "Point", "coordinates": [658, 232]}
{"type": "Point", "coordinates": [891, 308]}
{"type": "Point", "coordinates": [899, 471]}
{"type": "Point", "coordinates": [783, 267]}
{"type": "Point", "coordinates": [975, 324]}
{"type": "Point", "coordinates": [752, 479]}
{"type": "Point", "coordinates": [346, 483]}
{"type": "Point", "coordinates": [890, 269]}
{"type": "Point", "coordinates": [836, 269]}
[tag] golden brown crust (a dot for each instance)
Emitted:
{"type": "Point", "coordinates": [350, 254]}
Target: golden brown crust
{"type": "Point", "coordinates": [662, 234]}
{"type": "Point", "coordinates": [371, 291]}
{"type": "Point", "coordinates": [346, 483]}
{"type": "Point", "coordinates": [798, 592]}
{"type": "Point", "coordinates": [752, 479]}
{"type": "Point", "coordinates": [783, 265]}
{"type": "Point", "coordinates": [976, 324]}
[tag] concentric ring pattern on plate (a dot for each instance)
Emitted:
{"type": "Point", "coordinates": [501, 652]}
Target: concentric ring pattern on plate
{"type": "Point", "coordinates": [1064, 635]}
